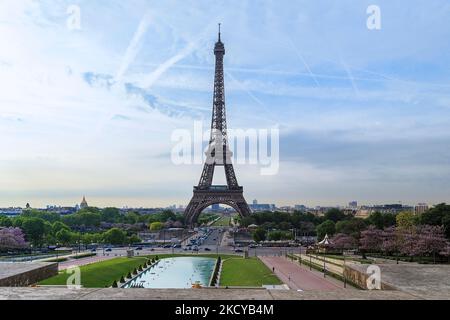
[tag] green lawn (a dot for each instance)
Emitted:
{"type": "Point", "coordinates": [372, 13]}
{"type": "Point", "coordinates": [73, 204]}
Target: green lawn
{"type": "Point", "coordinates": [250, 272]}
{"type": "Point", "coordinates": [100, 274]}
{"type": "Point", "coordinates": [222, 222]}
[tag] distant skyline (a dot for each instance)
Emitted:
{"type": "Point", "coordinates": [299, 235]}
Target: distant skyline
{"type": "Point", "coordinates": [363, 114]}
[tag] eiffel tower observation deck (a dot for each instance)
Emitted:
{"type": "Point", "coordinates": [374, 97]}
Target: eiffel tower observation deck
{"type": "Point", "coordinates": [218, 154]}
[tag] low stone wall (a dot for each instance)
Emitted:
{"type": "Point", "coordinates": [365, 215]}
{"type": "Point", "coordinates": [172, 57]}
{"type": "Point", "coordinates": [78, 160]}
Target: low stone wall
{"type": "Point", "coordinates": [357, 274]}
{"type": "Point", "coordinates": [29, 275]}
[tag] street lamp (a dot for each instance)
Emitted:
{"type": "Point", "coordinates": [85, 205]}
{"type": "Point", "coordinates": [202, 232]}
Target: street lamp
{"type": "Point", "coordinates": [310, 262]}
{"type": "Point", "coordinates": [345, 278]}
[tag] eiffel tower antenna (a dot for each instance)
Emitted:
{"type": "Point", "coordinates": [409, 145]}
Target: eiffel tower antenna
{"type": "Point", "coordinates": [218, 154]}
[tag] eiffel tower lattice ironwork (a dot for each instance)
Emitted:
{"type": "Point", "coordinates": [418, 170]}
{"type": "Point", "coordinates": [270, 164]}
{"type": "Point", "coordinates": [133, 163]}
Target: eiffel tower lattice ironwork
{"type": "Point", "coordinates": [217, 154]}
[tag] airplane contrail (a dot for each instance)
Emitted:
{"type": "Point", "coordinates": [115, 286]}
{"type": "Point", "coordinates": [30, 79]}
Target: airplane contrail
{"type": "Point", "coordinates": [299, 54]}
{"type": "Point", "coordinates": [134, 46]}
{"type": "Point", "coordinates": [169, 63]}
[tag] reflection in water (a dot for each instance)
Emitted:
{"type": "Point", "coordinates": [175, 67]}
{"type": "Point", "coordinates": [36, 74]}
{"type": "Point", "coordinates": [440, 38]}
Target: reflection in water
{"type": "Point", "coordinates": [180, 272]}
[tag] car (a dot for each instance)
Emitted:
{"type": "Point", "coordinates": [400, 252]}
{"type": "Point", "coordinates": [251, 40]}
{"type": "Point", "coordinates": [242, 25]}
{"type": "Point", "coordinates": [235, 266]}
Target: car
{"type": "Point", "coordinates": [167, 246]}
{"type": "Point", "coordinates": [139, 248]}
{"type": "Point", "coordinates": [238, 250]}
{"type": "Point", "coordinates": [195, 249]}
{"type": "Point", "coordinates": [152, 249]}
{"type": "Point", "coordinates": [108, 249]}
{"type": "Point", "coordinates": [177, 245]}
{"type": "Point", "coordinates": [94, 250]}
{"type": "Point", "coordinates": [207, 249]}
{"type": "Point", "coordinates": [252, 246]}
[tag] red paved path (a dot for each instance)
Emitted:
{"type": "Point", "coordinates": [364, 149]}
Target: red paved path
{"type": "Point", "coordinates": [296, 277]}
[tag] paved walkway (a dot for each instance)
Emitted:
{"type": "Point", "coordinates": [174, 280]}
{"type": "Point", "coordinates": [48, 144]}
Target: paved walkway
{"type": "Point", "coordinates": [298, 278]}
{"type": "Point", "coordinates": [83, 261]}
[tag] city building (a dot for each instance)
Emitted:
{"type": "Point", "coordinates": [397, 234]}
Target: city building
{"type": "Point", "coordinates": [420, 208]}
{"type": "Point", "coordinates": [353, 204]}
{"type": "Point", "coordinates": [84, 203]}
{"type": "Point", "coordinates": [12, 211]}
{"type": "Point", "coordinates": [255, 206]}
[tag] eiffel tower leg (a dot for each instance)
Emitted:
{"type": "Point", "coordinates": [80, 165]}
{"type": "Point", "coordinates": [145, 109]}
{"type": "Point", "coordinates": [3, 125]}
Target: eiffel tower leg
{"type": "Point", "coordinates": [205, 198]}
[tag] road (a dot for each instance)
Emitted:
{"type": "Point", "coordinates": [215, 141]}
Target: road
{"type": "Point", "coordinates": [299, 278]}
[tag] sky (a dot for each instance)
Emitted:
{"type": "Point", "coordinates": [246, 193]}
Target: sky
{"type": "Point", "coordinates": [91, 92]}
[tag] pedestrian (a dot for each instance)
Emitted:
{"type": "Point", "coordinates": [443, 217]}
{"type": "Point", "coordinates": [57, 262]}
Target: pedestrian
{"type": "Point", "coordinates": [273, 269]}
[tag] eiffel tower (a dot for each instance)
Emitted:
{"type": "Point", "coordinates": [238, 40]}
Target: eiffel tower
{"type": "Point", "coordinates": [217, 154]}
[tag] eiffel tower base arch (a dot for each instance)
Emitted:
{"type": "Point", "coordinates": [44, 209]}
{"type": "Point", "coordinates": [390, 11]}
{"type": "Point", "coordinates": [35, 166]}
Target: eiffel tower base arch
{"type": "Point", "coordinates": [202, 199]}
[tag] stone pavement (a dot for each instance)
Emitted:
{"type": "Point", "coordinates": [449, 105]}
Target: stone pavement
{"type": "Point", "coordinates": [422, 280]}
{"type": "Point", "coordinates": [49, 293]}
{"type": "Point", "coordinates": [15, 274]}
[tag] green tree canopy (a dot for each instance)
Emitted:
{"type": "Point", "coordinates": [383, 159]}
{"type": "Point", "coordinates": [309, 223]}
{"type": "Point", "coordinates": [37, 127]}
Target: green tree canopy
{"type": "Point", "coordinates": [64, 236]}
{"type": "Point", "coordinates": [115, 236]}
{"type": "Point", "coordinates": [381, 220]}
{"type": "Point", "coordinates": [111, 215]}
{"type": "Point", "coordinates": [335, 215]}
{"type": "Point", "coordinates": [351, 227]}
{"type": "Point", "coordinates": [34, 229]}
{"type": "Point", "coordinates": [155, 226]}
{"type": "Point", "coordinates": [259, 235]}
{"type": "Point", "coordinates": [406, 220]}
{"type": "Point", "coordinates": [326, 227]}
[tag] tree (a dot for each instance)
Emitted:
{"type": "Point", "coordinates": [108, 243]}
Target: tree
{"type": "Point", "coordinates": [439, 215]}
{"type": "Point", "coordinates": [34, 229]}
{"type": "Point", "coordinates": [58, 226]}
{"type": "Point", "coordinates": [131, 217]}
{"type": "Point", "coordinates": [155, 226]}
{"type": "Point", "coordinates": [370, 240]}
{"type": "Point", "coordinates": [306, 228]}
{"type": "Point", "coordinates": [12, 239]}
{"type": "Point", "coordinates": [64, 236]}
{"type": "Point", "coordinates": [111, 215]}
{"type": "Point", "coordinates": [406, 220]}
{"type": "Point", "coordinates": [134, 239]}
{"type": "Point", "coordinates": [87, 238]}
{"type": "Point", "coordinates": [381, 220]}
{"type": "Point", "coordinates": [88, 218]}
{"type": "Point", "coordinates": [5, 221]}
{"type": "Point", "coordinates": [343, 242]}
{"type": "Point", "coordinates": [114, 236]}
{"type": "Point", "coordinates": [44, 215]}
{"type": "Point", "coordinates": [279, 235]}
{"type": "Point", "coordinates": [326, 227]}
{"type": "Point", "coordinates": [431, 240]}
{"type": "Point", "coordinates": [259, 235]}
{"type": "Point", "coordinates": [246, 221]}
{"type": "Point", "coordinates": [351, 227]}
{"type": "Point", "coordinates": [390, 240]}
{"type": "Point", "coordinates": [167, 214]}
{"type": "Point", "coordinates": [335, 215]}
